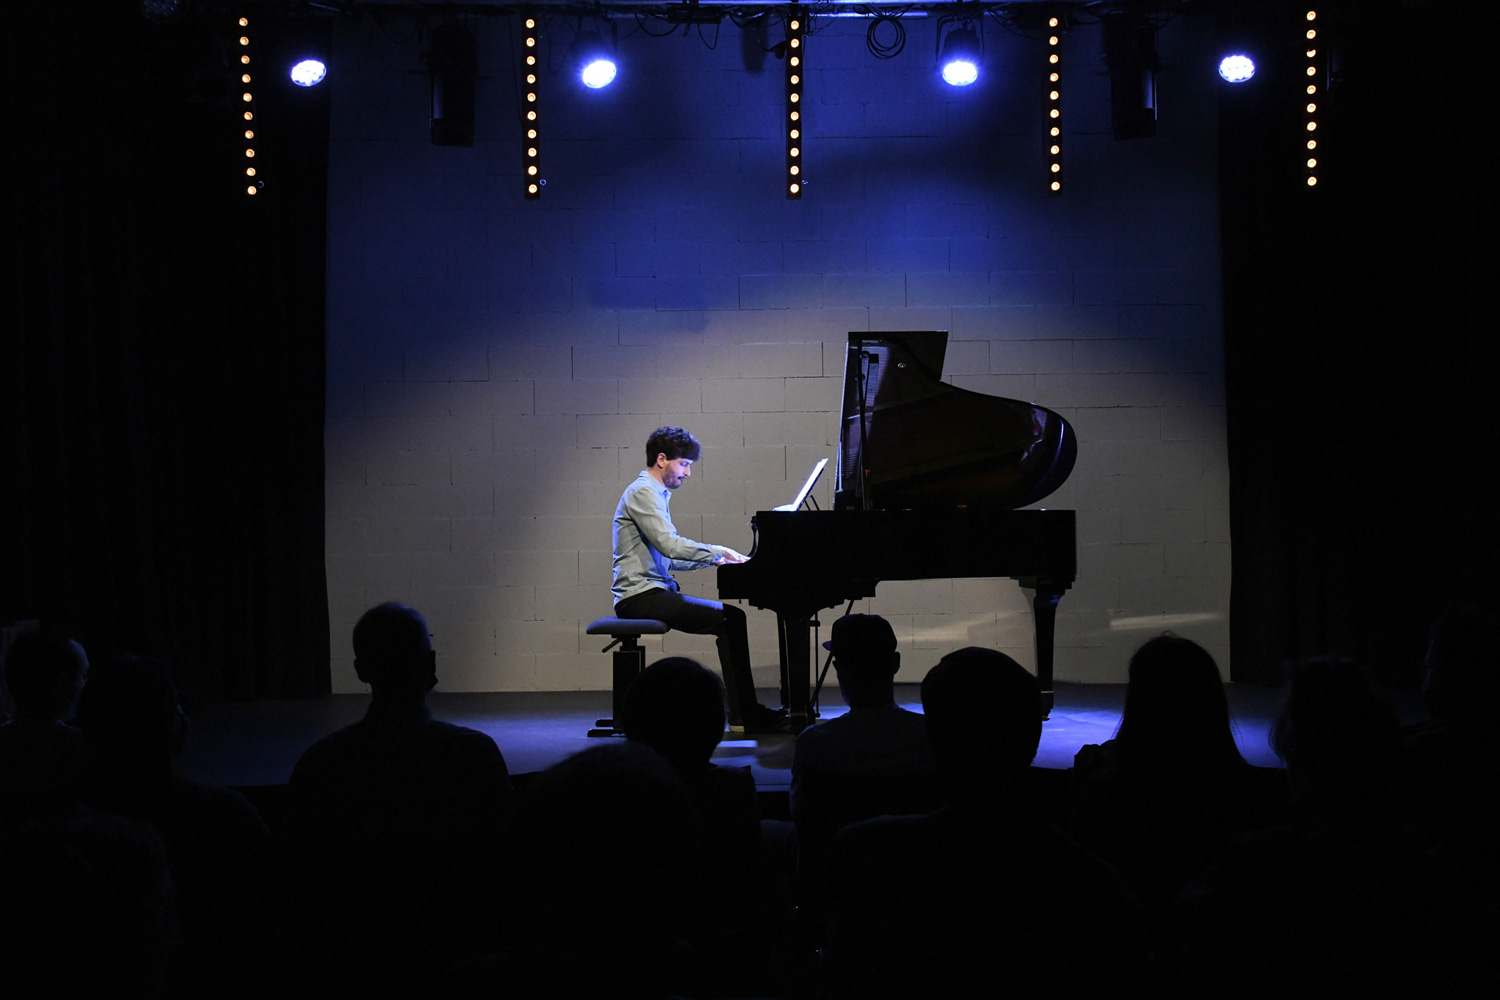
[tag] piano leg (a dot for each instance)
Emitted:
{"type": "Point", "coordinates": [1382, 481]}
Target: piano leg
{"type": "Point", "coordinates": [1044, 619]}
{"type": "Point", "coordinates": [793, 635]}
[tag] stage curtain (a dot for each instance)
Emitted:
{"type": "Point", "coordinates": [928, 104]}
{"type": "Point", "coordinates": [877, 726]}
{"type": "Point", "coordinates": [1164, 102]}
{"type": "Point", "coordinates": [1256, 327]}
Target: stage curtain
{"type": "Point", "coordinates": [163, 354]}
{"type": "Point", "coordinates": [1360, 356]}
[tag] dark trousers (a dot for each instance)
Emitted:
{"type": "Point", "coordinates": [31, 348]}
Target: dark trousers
{"type": "Point", "coordinates": [725, 622]}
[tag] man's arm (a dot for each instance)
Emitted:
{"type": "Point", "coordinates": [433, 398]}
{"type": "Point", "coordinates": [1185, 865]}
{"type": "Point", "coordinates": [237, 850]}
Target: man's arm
{"type": "Point", "coordinates": [657, 530]}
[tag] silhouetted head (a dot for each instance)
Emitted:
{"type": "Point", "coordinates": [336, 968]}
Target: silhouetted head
{"type": "Point", "coordinates": [1461, 671]}
{"type": "Point", "coordinates": [864, 654]}
{"type": "Point", "coordinates": [45, 671]}
{"type": "Point", "coordinates": [1339, 740]}
{"type": "Point", "coordinates": [676, 707]}
{"type": "Point", "coordinates": [617, 816]}
{"type": "Point", "coordinates": [1175, 706]}
{"type": "Point", "coordinates": [129, 709]}
{"type": "Point", "coordinates": [984, 713]}
{"type": "Point", "coordinates": [393, 653]}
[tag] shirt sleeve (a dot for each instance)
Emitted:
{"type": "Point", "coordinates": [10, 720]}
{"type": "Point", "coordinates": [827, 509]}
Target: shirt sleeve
{"type": "Point", "coordinates": [659, 533]}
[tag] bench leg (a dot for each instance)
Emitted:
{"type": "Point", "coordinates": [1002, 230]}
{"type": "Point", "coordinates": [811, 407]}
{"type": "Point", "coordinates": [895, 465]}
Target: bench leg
{"type": "Point", "coordinates": [629, 661]}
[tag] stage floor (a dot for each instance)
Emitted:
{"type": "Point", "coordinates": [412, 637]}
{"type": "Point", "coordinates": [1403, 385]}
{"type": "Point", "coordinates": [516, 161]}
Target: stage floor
{"type": "Point", "coordinates": [257, 743]}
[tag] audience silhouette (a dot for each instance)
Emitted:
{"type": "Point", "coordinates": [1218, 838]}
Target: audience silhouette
{"type": "Point", "coordinates": [873, 760]}
{"type": "Point", "coordinates": [1336, 902]}
{"type": "Point", "coordinates": [983, 893]}
{"type": "Point", "coordinates": [43, 759]}
{"type": "Point", "coordinates": [218, 847]}
{"type": "Point", "coordinates": [1163, 797]}
{"type": "Point", "coordinates": [397, 829]}
{"type": "Point", "coordinates": [640, 869]}
{"type": "Point", "coordinates": [86, 901]}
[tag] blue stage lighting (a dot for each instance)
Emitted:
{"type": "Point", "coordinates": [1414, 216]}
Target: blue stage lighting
{"type": "Point", "coordinates": [309, 72]}
{"type": "Point", "coordinates": [1237, 68]}
{"type": "Point", "coordinates": [598, 73]}
{"type": "Point", "coordinates": [595, 60]}
{"type": "Point", "coordinates": [960, 59]}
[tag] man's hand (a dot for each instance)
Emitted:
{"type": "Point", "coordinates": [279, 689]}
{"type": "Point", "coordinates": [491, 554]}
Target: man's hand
{"type": "Point", "coordinates": [730, 556]}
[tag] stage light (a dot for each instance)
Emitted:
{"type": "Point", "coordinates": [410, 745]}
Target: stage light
{"type": "Point", "coordinates": [530, 154]}
{"type": "Point", "coordinates": [248, 97]}
{"type": "Point", "coordinates": [961, 57]}
{"type": "Point", "coordinates": [1315, 76]}
{"type": "Point", "coordinates": [796, 32]}
{"type": "Point", "coordinates": [595, 60]}
{"type": "Point", "coordinates": [1053, 83]}
{"type": "Point", "coordinates": [453, 65]}
{"type": "Point", "coordinates": [1130, 56]}
{"type": "Point", "coordinates": [309, 72]}
{"type": "Point", "coordinates": [1237, 68]}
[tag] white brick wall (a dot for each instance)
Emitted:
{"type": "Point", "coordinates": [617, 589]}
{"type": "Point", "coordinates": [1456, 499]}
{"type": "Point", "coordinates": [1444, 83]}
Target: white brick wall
{"type": "Point", "coordinates": [495, 365]}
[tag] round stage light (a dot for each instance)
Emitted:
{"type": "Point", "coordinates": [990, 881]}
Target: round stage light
{"type": "Point", "coordinates": [309, 73]}
{"type": "Point", "coordinates": [1237, 68]}
{"type": "Point", "coordinates": [598, 73]}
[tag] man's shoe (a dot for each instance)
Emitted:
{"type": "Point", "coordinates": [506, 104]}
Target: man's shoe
{"type": "Point", "coordinates": [760, 719]}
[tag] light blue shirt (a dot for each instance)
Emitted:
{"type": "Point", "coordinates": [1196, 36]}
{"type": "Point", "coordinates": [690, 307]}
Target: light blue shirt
{"type": "Point", "coordinates": [647, 545]}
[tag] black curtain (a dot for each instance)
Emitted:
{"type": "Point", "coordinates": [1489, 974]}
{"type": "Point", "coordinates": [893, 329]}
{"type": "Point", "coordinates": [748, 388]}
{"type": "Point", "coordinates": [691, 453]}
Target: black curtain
{"type": "Point", "coordinates": [1360, 360]}
{"type": "Point", "coordinates": [163, 349]}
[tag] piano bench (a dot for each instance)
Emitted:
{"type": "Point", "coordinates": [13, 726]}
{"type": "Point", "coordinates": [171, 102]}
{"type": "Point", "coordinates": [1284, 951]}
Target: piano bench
{"type": "Point", "coordinates": [629, 659]}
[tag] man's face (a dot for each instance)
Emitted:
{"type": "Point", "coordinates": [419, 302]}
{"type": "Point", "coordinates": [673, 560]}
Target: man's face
{"type": "Point", "coordinates": [674, 471]}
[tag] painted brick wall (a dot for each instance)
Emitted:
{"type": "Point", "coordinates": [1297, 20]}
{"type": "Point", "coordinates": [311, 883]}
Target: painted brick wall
{"type": "Point", "coordinates": [495, 365]}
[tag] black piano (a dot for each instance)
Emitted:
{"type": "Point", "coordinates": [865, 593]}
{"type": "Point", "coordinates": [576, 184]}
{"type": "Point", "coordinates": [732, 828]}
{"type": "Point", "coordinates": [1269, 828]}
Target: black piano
{"type": "Point", "coordinates": [928, 480]}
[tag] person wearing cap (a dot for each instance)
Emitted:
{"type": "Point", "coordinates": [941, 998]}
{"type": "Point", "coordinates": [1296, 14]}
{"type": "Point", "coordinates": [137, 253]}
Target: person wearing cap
{"type": "Point", "coordinates": [870, 761]}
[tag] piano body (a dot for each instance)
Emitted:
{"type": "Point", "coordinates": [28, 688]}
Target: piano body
{"type": "Point", "coordinates": [928, 480]}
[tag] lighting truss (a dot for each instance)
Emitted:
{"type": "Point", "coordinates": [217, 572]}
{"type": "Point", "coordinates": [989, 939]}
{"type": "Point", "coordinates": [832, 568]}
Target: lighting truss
{"type": "Point", "coordinates": [796, 76]}
{"type": "Point", "coordinates": [530, 124]}
{"type": "Point", "coordinates": [1053, 82]}
{"type": "Point", "coordinates": [1315, 79]}
{"type": "Point", "coordinates": [253, 183]}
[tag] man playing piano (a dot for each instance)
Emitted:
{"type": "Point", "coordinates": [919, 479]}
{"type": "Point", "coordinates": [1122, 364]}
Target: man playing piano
{"type": "Point", "coordinates": [647, 548]}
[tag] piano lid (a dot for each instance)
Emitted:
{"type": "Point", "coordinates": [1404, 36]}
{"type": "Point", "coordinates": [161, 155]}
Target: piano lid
{"type": "Point", "coordinates": [908, 440]}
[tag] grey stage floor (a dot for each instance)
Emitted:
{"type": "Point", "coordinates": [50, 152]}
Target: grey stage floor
{"type": "Point", "coordinates": [257, 743]}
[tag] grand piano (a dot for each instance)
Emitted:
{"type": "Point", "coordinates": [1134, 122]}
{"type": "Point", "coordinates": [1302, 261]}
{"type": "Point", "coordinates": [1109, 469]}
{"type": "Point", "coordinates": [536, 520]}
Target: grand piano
{"type": "Point", "coordinates": [928, 480]}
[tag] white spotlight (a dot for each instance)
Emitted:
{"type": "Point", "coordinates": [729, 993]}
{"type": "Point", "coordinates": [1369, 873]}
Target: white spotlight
{"type": "Point", "coordinates": [599, 73]}
{"type": "Point", "coordinates": [1237, 68]}
{"type": "Point", "coordinates": [309, 73]}
{"type": "Point", "coordinates": [960, 58]}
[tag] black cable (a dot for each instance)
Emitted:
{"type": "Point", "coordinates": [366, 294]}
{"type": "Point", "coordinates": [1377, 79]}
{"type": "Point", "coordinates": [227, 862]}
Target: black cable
{"type": "Point", "coordinates": [885, 50]}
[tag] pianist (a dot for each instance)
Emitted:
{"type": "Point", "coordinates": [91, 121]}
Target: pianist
{"type": "Point", "coordinates": [647, 549]}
